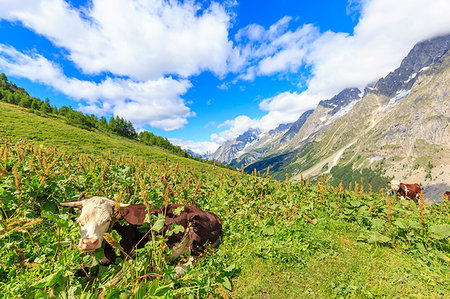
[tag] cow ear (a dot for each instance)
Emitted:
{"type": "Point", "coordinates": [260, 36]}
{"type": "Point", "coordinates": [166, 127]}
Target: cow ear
{"type": "Point", "coordinates": [133, 214]}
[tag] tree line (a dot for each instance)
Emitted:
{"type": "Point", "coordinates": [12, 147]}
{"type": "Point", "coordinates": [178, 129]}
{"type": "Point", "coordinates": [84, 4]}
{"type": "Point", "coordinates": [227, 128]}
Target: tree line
{"type": "Point", "coordinates": [15, 95]}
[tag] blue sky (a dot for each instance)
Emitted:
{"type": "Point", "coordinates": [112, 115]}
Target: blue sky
{"type": "Point", "coordinates": [202, 72]}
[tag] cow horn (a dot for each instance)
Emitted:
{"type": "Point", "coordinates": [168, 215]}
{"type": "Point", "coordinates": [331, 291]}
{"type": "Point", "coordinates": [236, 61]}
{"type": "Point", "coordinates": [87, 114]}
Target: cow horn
{"type": "Point", "coordinates": [82, 196]}
{"type": "Point", "coordinates": [72, 204]}
{"type": "Point", "coordinates": [124, 205]}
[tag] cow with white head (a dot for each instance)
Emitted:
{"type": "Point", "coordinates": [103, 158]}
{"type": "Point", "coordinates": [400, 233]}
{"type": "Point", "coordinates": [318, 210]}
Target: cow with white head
{"type": "Point", "coordinates": [97, 213]}
{"type": "Point", "coordinates": [94, 220]}
{"type": "Point", "coordinates": [406, 191]}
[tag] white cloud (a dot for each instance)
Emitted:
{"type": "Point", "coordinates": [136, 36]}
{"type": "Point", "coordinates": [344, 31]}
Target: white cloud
{"type": "Point", "coordinates": [236, 127]}
{"type": "Point", "coordinates": [267, 52]}
{"type": "Point", "coordinates": [201, 148]}
{"type": "Point", "coordinates": [282, 109]}
{"type": "Point", "coordinates": [153, 102]}
{"type": "Point", "coordinates": [143, 40]}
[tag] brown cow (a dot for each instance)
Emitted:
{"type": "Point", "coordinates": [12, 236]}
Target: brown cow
{"type": "Point", "coordinates": [406, 191]}
{"type": "Point", "coordinates": [200, 228]}
{"type": "Point", "coordinates": [446, 195]}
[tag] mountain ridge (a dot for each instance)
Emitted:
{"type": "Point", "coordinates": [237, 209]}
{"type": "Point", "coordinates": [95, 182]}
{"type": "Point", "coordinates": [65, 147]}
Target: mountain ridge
{"type": "Point", "coordinates": [337, 137]}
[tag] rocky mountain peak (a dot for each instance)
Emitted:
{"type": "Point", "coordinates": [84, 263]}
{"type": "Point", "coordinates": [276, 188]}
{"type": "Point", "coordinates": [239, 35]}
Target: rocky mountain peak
{"type": "Point", "coordinates": [340, 100]}
{"type": "Point", "coordinates": [295, 127]}
{"type": "Point", "coordinates": [422, 55]}
{"type": "Point", "coordinates": [280, 128]}
{"type": "Point", "coordinates": [248, 136]}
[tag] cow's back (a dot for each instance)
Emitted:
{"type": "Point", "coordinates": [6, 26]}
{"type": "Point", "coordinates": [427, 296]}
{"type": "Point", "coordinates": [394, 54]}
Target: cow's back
{"type": "Point", "coordinates": [206, 226]}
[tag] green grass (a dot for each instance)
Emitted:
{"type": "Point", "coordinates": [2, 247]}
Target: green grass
{"type": "Point", "coordinates": [269, 249]}
{"type": "Point", "coordinates": [343, 266]}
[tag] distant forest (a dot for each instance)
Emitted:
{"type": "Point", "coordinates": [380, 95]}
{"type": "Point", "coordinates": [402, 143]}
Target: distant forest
{"type": "Point", "coordinates": [13, 94]}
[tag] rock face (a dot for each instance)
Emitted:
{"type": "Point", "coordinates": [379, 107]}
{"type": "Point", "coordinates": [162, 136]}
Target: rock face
{"type": "Point", "coordinates": [296, 126]}
{"type": "Point", "coordinates": [326, 113]}
{"type": "Point", "coordinates": [400, 125]}
{"type": "Point", "coordinates": [234, 148]}
{"type": "Point", "coordinates": [341, 100]}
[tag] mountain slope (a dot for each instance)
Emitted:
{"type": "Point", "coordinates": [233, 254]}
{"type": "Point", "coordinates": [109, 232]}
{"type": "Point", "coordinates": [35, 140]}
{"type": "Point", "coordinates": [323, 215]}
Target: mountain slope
{"type": "Point", "coordinates": [401, 132]}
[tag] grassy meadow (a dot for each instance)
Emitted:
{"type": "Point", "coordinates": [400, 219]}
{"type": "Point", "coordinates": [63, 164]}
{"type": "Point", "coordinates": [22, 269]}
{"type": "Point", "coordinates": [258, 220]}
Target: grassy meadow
{"type": "Point", "coordinates": [280, 239]}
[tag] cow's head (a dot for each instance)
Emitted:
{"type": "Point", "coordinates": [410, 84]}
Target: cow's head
{"type": "Point", "coordinates": [394, 184]}
{"type": "Point", "coordinates": [96, 215]}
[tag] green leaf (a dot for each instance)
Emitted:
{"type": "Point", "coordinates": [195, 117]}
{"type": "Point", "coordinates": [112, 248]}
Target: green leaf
{"type": "Point", "coordinates": [400, 223]}
{"type": "Point", "coordinates": [159, 224]}
{"type": "Point", "coordinates": [378, 223]}
{"type": "Point", "coordinates": [227, 284]}
{"type": "Point", "coordinates": [55, 218]}
{"type": "Point", "coordinates": [99, 254]}
{"type": "Point", "coordinates": [177, 229]}
{"type": "Point", "coordinates": [355, 203]}
{"type": "Point", "coordinates": [414, 224]}
{"type": "Point", "coordinates": [420, 246]}
{"type": "Point", "coordinates": [440, 231]}
{"type": "Point", "coordinates": [116, 236]}
{"type": "Point", "coordinates": [87, 259]}
{"type": "Point", "coordinates": [230, 268]}
{"type": "Point", "coordinates": [41, 294]}
{"type": "Point", "coordinates": [48, 281]}
{"type": "Point", "coordinates": [144, 227]}
{"type": "Point", "coordinates": [178, 210]}
{"type": "Point", "coordinates": [375, 237]}
{"type": "Point", "coordinates": [115, 293]}
{"type": "Point", "coordinates": [161, 291]}
{"type": "Point", "coordinates": [153, 287]}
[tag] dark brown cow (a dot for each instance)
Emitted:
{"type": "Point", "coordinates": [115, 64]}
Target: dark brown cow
{"type": "Point", "coordinates": [406, 191]}
{"type": "Point", "coordinates": [200, 228]}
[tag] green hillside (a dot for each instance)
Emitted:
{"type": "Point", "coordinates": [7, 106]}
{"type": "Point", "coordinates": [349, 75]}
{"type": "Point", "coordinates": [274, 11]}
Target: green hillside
{"type": "Point", "coordinates": [281, 240]}
{"type": "Point", "coordinates": [53, 130]}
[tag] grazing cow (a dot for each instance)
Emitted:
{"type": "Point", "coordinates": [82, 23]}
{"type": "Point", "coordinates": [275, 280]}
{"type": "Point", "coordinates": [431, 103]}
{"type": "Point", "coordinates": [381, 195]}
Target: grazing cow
{"type": "Point", "coordinates": [200, 228]}
{"type": "Point", "coordinates": [446, 195]}
{"type": "Point", "coordinates": [406, 191]}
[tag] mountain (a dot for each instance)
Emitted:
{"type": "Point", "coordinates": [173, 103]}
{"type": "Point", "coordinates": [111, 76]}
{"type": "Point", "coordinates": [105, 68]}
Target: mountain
{"type": "Point", "coordinates": [295, 127]}
{"type": "Point", "coordinates": [399, 128]}
{"type": "Point", "coordinates": [271, 142]}
{"type": "Point", "coordinates": [236, 147]}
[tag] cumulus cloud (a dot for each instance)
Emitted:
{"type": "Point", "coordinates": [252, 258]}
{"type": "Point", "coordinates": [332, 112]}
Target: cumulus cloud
{"type": "Point", "coordinates": [235, 127]}
{"type": "Point", "coordinates": [170, 37]}
{"type": "Point", "coordinates": [266, 52]}
{"type": "Point", "coordinates": [154, 102]}
{"type": "Point", "coordinates": [201, 148]}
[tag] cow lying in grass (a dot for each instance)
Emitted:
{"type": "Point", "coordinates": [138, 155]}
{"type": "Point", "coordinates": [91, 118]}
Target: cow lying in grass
{"type": "Point", "coordinates": [97, 213]}
{"type": "Point", "coordinates": [406, 191]}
